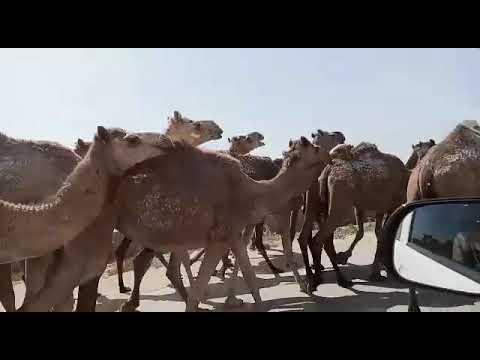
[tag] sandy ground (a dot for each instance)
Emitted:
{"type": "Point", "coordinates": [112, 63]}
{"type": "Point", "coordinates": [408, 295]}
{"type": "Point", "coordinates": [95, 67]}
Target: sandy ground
{"type": "Point", "coordinates": [281, 293]}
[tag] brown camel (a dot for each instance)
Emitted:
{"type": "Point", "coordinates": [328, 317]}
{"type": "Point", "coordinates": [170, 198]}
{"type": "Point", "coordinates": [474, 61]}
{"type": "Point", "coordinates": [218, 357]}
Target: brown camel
{"type": "Point", "coordinates": [211, 211]}
{"type": "Point", "coordinates": [239, 145]}
{"type": "Point", "coordinates": [361, 178]}
{"type": "Point", "coordinates": [51, 163]}
{"type": "Point", "coordinates": [29, 171]}
{"type": "Point", "coordinates": [449, 169]}
{"type": "Point", "coordinates": [346, 153]}
{"type": "Point", "coordinates": [286, 225]}
{"type": "Point", "coordinates": [258, 168]}
{"type": "Point", "coordinates": [194, 133]}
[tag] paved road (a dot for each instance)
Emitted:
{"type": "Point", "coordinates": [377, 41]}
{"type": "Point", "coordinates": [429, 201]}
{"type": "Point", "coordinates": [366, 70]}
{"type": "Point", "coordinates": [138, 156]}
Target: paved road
{"type": "Point", "coordinates": [280, 293]}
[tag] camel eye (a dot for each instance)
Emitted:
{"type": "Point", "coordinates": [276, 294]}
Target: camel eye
{"type": "Point", "coordinates": [132, 139]}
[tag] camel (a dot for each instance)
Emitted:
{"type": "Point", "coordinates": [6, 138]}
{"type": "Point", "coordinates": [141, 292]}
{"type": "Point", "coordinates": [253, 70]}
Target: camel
{"type": "Point", "coordinates": [51, 163]}
{"type": "Point", "coordinates": [239, 145]}
{"type": "Point", "coordinates": [286, 225]}
{"type": "Point", "coordinates": [361, 178]}
{"type": "Point", "coordinates": [450, 168]}
{"type": "Point", "coordinates": [345, 153]}
{"type": "Point", "coordinates": [258, 168]}
{"type": "Point", "coordinates": [212, 214]}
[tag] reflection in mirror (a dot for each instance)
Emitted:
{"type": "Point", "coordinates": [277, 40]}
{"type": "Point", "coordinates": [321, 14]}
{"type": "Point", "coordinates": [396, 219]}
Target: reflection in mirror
{"type": "Point", "coordinates": [439, 245]}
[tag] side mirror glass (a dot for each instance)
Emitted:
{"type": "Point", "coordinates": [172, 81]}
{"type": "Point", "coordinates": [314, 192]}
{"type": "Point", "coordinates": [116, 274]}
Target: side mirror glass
{"type": "Point", "coordinates": [437, 244]}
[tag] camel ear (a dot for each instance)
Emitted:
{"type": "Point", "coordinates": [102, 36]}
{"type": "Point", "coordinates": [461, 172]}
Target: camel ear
{"type": "Point", "coordinates": [432, 141]}
{"type": "Point", "coordinates": [290, 143]}
{"type": "Point", "coordinates": [313, 136]}
{"type": "Point", "coordinates": [103, 134]}
{"type": "Point", "coordinates": [413, 147]}
{"type": "Point", "coordinates": [304, 141]}
{"type": "Point", "coordinates": [177, 116]}
{"type": "Point", "coordinates": [80, 142]}
{"type": "Point", "coordinates": [229, 140]}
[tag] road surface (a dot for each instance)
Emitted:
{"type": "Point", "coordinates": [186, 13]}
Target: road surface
{"type": "Point", "coordinates": [281, 293]}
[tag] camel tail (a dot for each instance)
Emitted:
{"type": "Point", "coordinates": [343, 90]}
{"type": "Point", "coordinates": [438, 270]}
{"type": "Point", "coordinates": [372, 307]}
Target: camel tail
{"type": "Point", "coordinates": [425, 183]}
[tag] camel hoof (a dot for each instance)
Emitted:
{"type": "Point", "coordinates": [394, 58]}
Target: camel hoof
{"type": "Point", "coordinates": [233, 302]}
{"type": "Point", "coordinates": [345, 283]}
{"type": "Point", "coordinates": [317, 279]}
{"type": "Point", "coordinates": [376, 277]}
{"type": "Point", "coordinates": [125, 290]}
{"type": "Point", "coordinates": [342, 258]}
{"type": "Point", "coordinates": [303, 287]}
{"type": "Point", "coordinates": [129, 306]}
{"type": "Point", "coordinates": [413, 308]}
{"type": "Point", "coordinates": [311, 288]}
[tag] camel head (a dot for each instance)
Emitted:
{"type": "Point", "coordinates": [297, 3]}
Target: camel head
{"type": "Point", "coordinates": [244, 144]}
{"type": "Point", "coordinates": [81, 147]}
{"type": "Point", "coordinates": [121, 150]}
{"type": "Point", "coordinates": [302, 154]}
{"type": "Point", "coordinates": [419, 151]}
{"type": "Point", "coordinates": [342, 152]}
{"type": "Point", "coordinates": [328, 140]}
{"type": "Point", "coordinates": [192, 132]}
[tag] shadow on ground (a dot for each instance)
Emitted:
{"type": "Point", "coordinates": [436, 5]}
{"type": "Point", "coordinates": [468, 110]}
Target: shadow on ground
{"type": "Point", "coordinates": [364, 296]}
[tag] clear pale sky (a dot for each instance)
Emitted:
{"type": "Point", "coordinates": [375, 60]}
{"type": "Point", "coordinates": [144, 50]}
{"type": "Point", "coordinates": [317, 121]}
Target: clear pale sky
{"type": "Point", "coordinates": [391, 97]}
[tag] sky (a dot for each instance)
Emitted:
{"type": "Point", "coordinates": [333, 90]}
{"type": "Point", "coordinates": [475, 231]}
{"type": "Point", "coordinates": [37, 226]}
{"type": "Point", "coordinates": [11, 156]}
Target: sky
{"type": "Point", "coordinates": [391, 97]}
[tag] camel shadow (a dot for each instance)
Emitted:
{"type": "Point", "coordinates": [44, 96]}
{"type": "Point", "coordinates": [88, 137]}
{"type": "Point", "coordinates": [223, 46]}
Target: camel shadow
{"type": "Point", "coordinates": [105, 304]}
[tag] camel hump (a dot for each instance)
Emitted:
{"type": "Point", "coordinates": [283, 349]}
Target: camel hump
{"type": "Point", "coordinates": [365, 148]}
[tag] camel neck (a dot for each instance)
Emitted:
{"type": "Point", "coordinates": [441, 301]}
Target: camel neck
{"type": "Point", "coordinates": [38, 229]}
{"type": "Point", "coordinates": [274, 195]}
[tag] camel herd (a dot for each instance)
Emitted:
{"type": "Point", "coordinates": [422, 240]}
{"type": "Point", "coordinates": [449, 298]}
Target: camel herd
{"type": "Point", "coordinates": [60, 208]}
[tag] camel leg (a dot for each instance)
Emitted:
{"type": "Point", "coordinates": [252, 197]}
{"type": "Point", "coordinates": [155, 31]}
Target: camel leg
{"type": "Point", "coordinates": [120, 254]}
{"type": "Point", "coordinates": [375, 274]}
{"type": "Point", "coordinates": [197, 256]}
{"type": "Point", "coordinates": [303, 240]}
{"type": "Point", "coordinates": [259, 245]}
{"type": "Point", "coordinates": [413, 300]}
{"type": "Point", "coordinates": [185, 260]}
{"type": "Point", "coordinates": [317, 260]}
{"type": "Point", "coordinates": [287, 247]}
{"type": "Point", "coordinates": [162, 259]}
{"type": "Point", "coordinates": [293, 224]}
{"type": "Point", "coordinates": [330, 250]}
{"type": "Point", "coordinates": [66, 305]}
{"type": "Point", "coordinates": [7, 295]}
{"type": "Point", "coordinates": [213, 254]}
{"type": "Point", "coordinates": [87, 295]}
{"type": "Point", "coordinates": [226, 263]}
{"type": "Point", "coordinates": [141, 263]}
{"type": "Point", "coordinates": [324, 238]}
{"type": "Point", "coordinates": [343, 257]}
{"type": "Point", "coordinates": [59, 285]}
{"type": "Point", "coordinates": [37, 270]}
{"type": "Point", "coordinates": [241, 255]}
{"type": "Point", "coordinates": [232, 301]}
{"type": "Point", "coordinates": [175, 276]}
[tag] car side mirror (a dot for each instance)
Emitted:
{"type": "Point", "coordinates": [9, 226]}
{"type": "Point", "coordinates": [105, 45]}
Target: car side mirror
{"type": "Point", "coordinates": [435, 244]}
